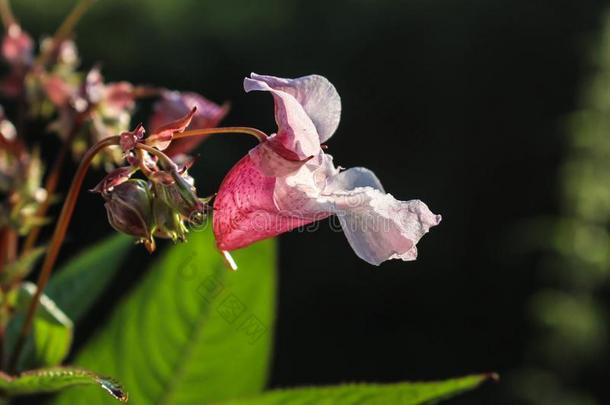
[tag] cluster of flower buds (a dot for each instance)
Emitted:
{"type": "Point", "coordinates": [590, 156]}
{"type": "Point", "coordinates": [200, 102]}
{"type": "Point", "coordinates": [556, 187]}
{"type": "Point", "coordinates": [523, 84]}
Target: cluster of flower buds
{"type": "Point", "coordinates": [83, 109]}
{"type": "Point", "coordinates": [20, 181]}
{"type": "Point", "coordinates": [86, 108]}
{"type": "Point", "coordinates": [165, 201]}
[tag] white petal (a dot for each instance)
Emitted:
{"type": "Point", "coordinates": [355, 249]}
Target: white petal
{"type": "Point", "coordinates": [298, 194]}
{"type": "Point", "coordinates": [296, 131]}
{"type": "Point", "coordinates": [377, 226]}
{"type": "Point", "coordinates": [316, 94]}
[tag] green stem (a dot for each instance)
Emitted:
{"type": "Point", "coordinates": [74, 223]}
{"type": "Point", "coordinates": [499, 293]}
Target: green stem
{"type": "Point", "coordinates": [57, 239]}
{"type": "Point", "coordinates": [65, 29]}
{"type": "Point", "coordinates": [163, 158]}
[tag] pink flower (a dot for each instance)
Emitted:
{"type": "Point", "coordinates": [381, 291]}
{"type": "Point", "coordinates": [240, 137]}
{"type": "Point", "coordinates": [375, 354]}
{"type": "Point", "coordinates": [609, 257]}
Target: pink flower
{"type": "Point", "coordinates": [18, 52]}
{"type": "Point", "coordinates": [59, 90]}
{"type": "Point", "coordinates": [17, 46]}
{"type": "Point", "coordinates": [173, 105]}
{"type": "Point", "coordinates": [288, 181]}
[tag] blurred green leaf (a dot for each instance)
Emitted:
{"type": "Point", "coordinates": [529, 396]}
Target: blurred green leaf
{"type": "Point", "coordinates": [20, 268]}
{"type": "Point", "coordinates": [192, 332]}
{"type": "Point", "coordinates": [407, 393]}
{"type": "Point", "coordinates": [51, 336]}
{"type": "Point", "coordinates": [55, 379]}
{"type": "Point", "coordinates": [77, 285]}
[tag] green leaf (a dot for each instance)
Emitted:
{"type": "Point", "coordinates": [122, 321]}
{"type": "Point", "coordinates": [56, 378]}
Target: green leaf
{"type": "Point", "coordinates": [51, 335]}
{"type": "Point", "coordinates": [407, 393]}
{"type": "Point", "coordinates": [77, 285]}
{"type": "Point", "coordinates": [55, 379]}
{"type": "Point", "coordinates": [192, 332]}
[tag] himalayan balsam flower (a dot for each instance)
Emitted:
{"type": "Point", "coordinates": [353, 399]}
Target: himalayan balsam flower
{"type": "Point", "coordinates": [288, 181]}
{"type": "Point", "coordinates": [18, 52]}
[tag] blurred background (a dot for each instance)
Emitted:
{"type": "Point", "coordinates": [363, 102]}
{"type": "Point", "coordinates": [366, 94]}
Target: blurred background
{"type": "Point", "coordinates": [496, 113]}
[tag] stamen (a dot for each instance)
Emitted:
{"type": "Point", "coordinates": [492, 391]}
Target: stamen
{"type": "Point", "coordinates": [229, 261]}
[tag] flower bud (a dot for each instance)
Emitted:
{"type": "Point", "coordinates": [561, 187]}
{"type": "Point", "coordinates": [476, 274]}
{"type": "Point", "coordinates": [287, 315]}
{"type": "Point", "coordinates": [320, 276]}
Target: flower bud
{"type": "Point", "coordinates": [129, 208]}
{"type": "Point", "coordinates": [17, 46]}
{"type": "Point", "coordinates": [181, 195]}
{"type": "Point", "coordinates": [168, 222]}
{"type": "Point", "coordinates": [175, 203]}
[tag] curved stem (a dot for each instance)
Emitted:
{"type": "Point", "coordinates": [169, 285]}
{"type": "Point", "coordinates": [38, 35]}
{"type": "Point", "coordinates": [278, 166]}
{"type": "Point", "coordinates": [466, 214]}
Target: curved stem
{"type": "Point", "coordinates": [58, 237]}
{"type": "Point", "coordinates": [167, 161]}
{"type": "Point", "coordinates": [8, 19]}
{"type": "Point", "coordinates": [65, 29]}
{"type": "Point", "coordinates": [67, 26]}
{"type": "Point", "coordinates": [258, 134]}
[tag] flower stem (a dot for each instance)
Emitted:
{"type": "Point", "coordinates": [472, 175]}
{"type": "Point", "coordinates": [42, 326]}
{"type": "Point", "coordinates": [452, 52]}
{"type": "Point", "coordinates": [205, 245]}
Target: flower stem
{"type": "Point", "coordinates": [8, 19]}
{"type": "Point", "coordinates": [65, 29]}
{"type": "Point", "coordinates": [163, 158]}
{"type": "Point", "coordinates": [67, 26]}
{"type": "Point", "coordinates": [58, 237]}
{"type": "Point", "coordinates": [258, 134]}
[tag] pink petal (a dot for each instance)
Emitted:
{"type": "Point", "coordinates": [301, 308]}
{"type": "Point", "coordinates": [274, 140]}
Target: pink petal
{"type": "Point", "coordinates": [17, 46]}
{"type": "Point", "coordinates": [244, 209]}
{"type": "Point", "coordinates": [377, 226]}
{"type": "Point", "coordinates": [120, 96]}
{"type": "Point", "coordinates": [173, 105]}
{"type": "Point", "coordinates": [268, 158]}
{"type": "Point", "coordinates": [58, 90]}
{"type": "Point", "coordinates": [296, 131]}
{"type": "Point", "coordinates": [113, 179]}
{"type": "Point", "coordinates": [317, 96]}
{"type": "Point", "coordinates": [129, 139]}
{"type": "Point", "coordinates": [163, 136]}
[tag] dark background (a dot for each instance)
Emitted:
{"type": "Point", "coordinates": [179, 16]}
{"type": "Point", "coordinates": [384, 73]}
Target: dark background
{"type": "Point", "coordinates": [458, 103]}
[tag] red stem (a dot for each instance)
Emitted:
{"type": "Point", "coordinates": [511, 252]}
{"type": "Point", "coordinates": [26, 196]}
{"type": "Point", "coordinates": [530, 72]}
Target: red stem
{"type": "Point", "coordinates": [58, 237]}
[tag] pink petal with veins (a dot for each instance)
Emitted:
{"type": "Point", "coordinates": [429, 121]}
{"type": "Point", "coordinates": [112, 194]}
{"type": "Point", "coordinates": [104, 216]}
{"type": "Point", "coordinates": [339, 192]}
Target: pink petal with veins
{"type": "Point", "coordinates": [244, 210]}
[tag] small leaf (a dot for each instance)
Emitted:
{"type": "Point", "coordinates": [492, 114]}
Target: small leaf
{"type": "Point", "coordinates": [77, 285]}
{"type": "Point", "coordinates": [55, 379]}
{"type": "Point", "coordinates": [19, 269]}
{"type": "Point", "coordinates": [406, 393]}
{"type": "Point", "coordinates": [51, 336]}
{"type": "Point", "coordinates": [191, 332]}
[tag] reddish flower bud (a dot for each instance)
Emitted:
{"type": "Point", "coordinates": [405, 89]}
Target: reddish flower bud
{"type": "Point", "coordinates": [113, 179]}
{"type": "Point", "coordinates": [129, 209]}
